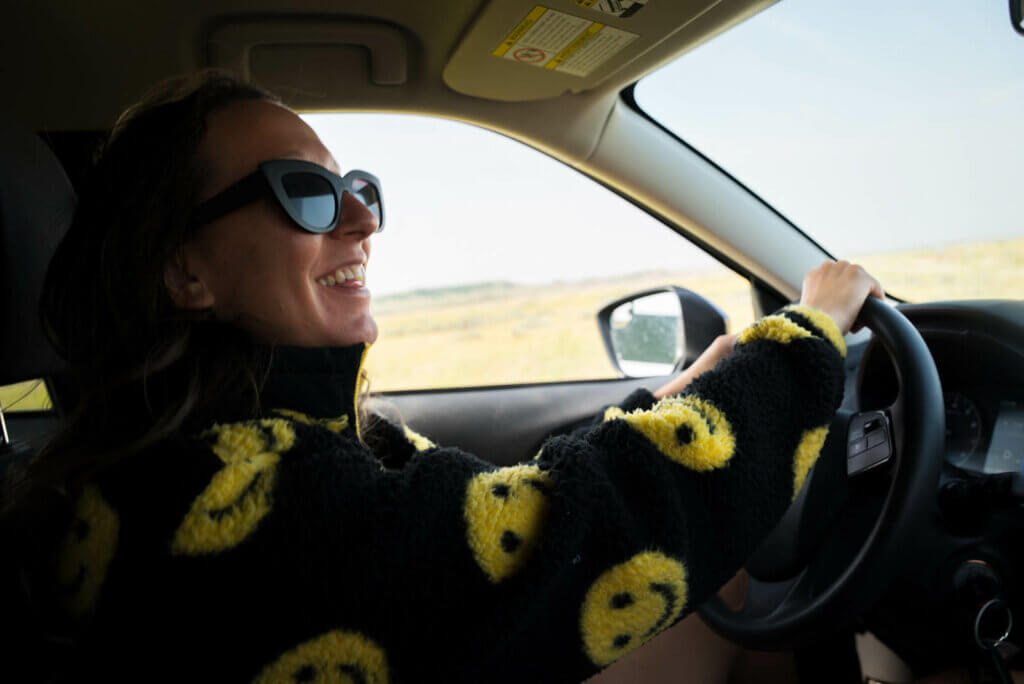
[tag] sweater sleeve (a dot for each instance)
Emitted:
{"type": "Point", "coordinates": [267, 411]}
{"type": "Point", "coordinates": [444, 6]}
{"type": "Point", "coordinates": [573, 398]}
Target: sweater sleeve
{"type": "Point", "coordinates": [318, 558]}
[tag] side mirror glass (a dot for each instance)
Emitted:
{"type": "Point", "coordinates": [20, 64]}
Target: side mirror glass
{"type": "Point", "coordinates": [647, 334]}
{"type": "Point", "coordinates": [659, 331]}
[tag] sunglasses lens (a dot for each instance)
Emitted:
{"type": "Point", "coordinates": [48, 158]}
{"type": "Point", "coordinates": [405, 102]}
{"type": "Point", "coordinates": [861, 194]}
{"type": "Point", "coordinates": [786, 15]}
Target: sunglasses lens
{"type": "Point", "coordinates": [312, 198]}
{"type": "Point", "coordinates": [366, 193]}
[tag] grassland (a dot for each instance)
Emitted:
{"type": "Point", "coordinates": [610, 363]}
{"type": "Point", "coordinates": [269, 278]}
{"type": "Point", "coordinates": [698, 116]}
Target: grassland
{"type": "Point", "coordinates": [501, 333]}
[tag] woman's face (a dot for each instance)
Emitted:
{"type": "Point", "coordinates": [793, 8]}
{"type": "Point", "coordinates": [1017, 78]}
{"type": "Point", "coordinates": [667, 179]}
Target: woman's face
{"type": "Point", "coordinates": [254, 267]}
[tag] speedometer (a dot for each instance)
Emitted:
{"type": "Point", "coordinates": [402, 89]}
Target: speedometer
{"type": "Point", "coordinates": [963, 429]}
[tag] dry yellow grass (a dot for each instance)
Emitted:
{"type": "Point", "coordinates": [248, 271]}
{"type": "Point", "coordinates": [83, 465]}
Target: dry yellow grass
{"type": "Point", "coordinates": [515, 334]}
{"type": "Point", "coordinates": [549, 333]}
{"type": "Point", "coordinates": [981, 270]}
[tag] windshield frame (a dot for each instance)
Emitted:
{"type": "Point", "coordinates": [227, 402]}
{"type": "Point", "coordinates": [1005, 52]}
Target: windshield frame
{"type": "Point", "coordinates": [628, 97]}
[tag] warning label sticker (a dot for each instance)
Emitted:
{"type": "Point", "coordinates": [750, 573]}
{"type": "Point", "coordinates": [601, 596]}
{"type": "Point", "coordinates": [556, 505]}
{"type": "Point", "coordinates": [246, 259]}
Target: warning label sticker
{"type": "Point", "coordinates": [617, 8]}
{"type": "Point", "coordinates": [561, 42]}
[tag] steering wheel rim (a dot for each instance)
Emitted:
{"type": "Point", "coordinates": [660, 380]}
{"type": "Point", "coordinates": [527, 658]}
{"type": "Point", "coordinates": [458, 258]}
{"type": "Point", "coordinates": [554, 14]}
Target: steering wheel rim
{"type": "Point", "coordinates": [796, 619]}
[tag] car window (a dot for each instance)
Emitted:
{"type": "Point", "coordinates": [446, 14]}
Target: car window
{"type": "Point", "coordinates": [889, 132]}
{"type": "Point", "coordinates": [25, 396]}
{"type": "Point", "coordinates": [495, 258]}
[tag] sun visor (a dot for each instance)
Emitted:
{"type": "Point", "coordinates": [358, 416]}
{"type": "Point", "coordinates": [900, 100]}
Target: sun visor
{"type": "Point", "coordinates": [535, 49]}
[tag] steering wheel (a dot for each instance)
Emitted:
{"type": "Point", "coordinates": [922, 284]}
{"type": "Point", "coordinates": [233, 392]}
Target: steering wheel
{"type": "Point", "coordinates": [814, 574]}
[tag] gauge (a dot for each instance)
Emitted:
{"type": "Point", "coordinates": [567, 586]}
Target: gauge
{"type": "Point", "coordinates": [963, 429]}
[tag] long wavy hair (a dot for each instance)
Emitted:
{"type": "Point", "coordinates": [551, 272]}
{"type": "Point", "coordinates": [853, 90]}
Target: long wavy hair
{"type": "Point", "coordinates": [140, 367]}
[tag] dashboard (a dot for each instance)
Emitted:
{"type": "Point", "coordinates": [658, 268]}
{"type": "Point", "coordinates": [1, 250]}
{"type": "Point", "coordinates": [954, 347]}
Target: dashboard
{"type": "Point", "coordinates": [978, 517]}
{"type": "Point", "coordinates": [984, 435]}
{"type": "Point", "coordinates": [978, 348]}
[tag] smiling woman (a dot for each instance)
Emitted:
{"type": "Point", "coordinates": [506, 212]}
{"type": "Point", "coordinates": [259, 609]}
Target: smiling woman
{"type": "Point", "coordinates": [220, 504]}
{"type": "Point", "coordinates": [254, 270]}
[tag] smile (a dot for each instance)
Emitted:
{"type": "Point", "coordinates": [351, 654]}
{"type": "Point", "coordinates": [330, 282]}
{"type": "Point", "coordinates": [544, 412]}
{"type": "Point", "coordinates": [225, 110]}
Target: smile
{"type": "Point", "coordinates": [342, 276]}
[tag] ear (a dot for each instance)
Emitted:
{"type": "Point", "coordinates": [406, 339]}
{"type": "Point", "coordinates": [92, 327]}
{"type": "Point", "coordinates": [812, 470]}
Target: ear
{"type": "Point", "coordinates": [187, 291]}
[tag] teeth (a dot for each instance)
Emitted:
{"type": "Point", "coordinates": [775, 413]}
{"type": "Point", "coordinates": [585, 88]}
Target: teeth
{"type": "Point", "coordinates": [342, 274]}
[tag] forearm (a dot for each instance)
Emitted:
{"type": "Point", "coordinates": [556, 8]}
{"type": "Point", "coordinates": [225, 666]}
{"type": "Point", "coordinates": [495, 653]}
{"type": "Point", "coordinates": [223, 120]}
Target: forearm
{"type": "Point", "coordinates": [678, 383]}
{"type": "Point", "coordinates": [716, 351]}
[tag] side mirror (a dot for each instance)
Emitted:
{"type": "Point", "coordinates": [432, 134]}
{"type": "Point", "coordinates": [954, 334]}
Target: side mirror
{"type": "Point", "coordinates": [1017, 15]}
{"type": "Point", "coordinates": [659, 331]}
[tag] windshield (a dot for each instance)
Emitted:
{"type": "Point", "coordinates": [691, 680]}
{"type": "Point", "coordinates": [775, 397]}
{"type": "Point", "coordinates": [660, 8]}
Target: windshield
{"type": "Point", "coordinates": [888, 132]}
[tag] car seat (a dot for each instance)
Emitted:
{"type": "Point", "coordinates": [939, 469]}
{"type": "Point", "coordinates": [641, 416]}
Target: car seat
{"type": "Point", "coordinates": [36, 206]}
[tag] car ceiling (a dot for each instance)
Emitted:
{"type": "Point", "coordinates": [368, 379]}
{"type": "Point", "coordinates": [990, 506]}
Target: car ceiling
{"type": "Point", "coordinates": [75, 66]}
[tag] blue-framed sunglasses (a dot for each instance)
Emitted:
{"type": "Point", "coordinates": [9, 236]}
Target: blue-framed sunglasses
{"type": "Point", "coordinates": [308, 193]}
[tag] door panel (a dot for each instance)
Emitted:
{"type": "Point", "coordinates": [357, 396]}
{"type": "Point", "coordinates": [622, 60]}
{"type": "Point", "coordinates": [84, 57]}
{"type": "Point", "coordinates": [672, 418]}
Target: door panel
{"type": "Point", "coordinates": [506, 425]}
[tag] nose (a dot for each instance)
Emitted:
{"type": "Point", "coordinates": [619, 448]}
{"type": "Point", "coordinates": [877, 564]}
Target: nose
{"type": "Point", "coordinates": [354, 218]}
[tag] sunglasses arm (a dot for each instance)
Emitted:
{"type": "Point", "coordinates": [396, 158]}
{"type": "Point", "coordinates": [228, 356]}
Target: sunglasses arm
{"type": "Point", "coordinates": [247, 190]}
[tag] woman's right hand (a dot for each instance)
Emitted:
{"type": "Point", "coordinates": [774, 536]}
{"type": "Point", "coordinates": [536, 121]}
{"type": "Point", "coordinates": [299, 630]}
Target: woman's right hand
{"type": "Point", "coordinates": [839, 288]}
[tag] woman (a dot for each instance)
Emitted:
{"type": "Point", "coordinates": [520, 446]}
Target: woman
{"type": "Point", "coordinates": [232, 514]}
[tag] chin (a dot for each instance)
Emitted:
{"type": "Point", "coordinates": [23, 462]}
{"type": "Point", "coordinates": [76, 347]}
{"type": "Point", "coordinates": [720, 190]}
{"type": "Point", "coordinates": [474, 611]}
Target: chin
{"type": "Point", "coordinates": [364, 330]}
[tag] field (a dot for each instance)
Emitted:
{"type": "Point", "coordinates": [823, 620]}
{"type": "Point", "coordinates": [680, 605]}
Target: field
{"type": "Point", "coordinates": [501, 333]}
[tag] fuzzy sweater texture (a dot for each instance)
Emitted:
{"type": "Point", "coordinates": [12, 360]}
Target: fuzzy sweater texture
{"type": "Point", "coordinates": [280, 547]}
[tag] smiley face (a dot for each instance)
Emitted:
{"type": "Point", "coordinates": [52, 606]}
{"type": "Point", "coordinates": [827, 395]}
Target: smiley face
{"type": "Point", "coordinates": [88, 550]}
{"type": "Point", "coordinates": [688, 430]}
{"type": "Point", "coordinates": [504, 513]}
{"type": "Point", "coordinates": [630, 603]}
{"type": "Point", "coordinates": [238, 496]}
{"type": "Point", "coordinates": [333, 658]}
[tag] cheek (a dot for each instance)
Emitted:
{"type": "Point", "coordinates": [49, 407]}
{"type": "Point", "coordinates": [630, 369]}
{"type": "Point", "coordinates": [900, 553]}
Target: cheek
{"type": "Point", "coordinates": [262, 269]}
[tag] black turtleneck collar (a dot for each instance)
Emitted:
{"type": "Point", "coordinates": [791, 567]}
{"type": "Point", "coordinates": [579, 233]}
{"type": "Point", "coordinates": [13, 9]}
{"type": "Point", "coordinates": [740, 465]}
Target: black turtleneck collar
{"type": "Point", "coordinates": [321, 382]}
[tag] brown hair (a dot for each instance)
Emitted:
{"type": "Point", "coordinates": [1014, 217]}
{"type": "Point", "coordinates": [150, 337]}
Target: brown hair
{"type": "Point", "coordinates": [139, 366]}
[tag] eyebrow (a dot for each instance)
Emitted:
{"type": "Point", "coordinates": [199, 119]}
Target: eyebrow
{"type": "Point", "coordinates": [298, 154]}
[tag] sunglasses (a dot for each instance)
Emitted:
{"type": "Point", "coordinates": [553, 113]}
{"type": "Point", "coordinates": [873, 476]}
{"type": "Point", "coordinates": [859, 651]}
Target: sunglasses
{"type": "Point", "coordinates": [308, 193]}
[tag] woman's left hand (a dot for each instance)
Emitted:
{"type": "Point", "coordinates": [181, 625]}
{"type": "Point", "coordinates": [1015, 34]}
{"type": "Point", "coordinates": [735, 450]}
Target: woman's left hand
{"type": "Point", "coordinates": [716, 351]}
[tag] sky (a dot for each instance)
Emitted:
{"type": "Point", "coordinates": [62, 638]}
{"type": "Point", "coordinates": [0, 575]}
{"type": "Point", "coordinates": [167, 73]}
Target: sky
{"type": "Point", "coordinates": [909, 134]}
{"type": "Point", "coordinates": [873, 126]}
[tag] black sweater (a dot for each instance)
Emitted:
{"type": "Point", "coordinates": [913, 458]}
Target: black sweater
{"type": "Point", "coordinates": [282, 548]}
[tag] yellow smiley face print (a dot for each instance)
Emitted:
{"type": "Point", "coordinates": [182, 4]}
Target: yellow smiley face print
{"type": "Point", "coordinates": [504, 513]}
{"type": "Point", "coordinates": [688, 430]}
{"type": "Point", "coordinates": [238, 496]}
{"type": "Point", "coordinates": [88, 550]}
{"type": "Point", "coordinates": [334, 658]}
{"type": "Point", "coordinates": [630, 603]}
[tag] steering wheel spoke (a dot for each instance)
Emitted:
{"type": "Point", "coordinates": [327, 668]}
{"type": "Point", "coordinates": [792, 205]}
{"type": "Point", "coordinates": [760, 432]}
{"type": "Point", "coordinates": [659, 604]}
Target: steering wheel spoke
{"type": "Point", "coordinates": [870, 441]}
